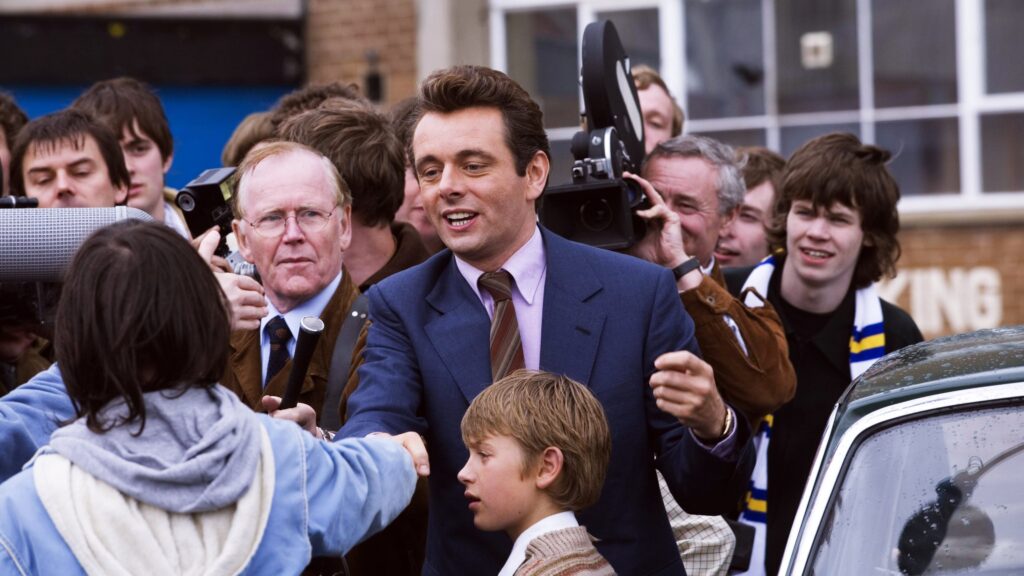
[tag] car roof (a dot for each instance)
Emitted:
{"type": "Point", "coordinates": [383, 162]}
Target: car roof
{"type": "Point", "coordinates": [972, 360]}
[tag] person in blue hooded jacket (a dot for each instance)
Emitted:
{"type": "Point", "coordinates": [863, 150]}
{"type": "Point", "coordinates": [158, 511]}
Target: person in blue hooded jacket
{"type": "Point", "coordinates": [162, 470]}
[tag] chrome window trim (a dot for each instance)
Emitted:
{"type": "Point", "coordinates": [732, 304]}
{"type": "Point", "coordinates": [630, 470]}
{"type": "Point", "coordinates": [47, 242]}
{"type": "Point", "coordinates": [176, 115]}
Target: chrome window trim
{"type": "Point", "coordinates": [801, 511]}
{"type": "Point", "coordinates": [798, 548]}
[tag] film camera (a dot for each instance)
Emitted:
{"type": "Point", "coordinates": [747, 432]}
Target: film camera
{"type": "Point", "coordinates": [598, 207]}
{"type": "Point", "coordinates": [205, 202]}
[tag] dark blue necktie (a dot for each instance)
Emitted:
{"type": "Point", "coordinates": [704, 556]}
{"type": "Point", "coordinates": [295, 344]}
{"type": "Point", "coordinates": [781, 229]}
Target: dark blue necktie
{"type": "Point", "coordinates": [277, 331]}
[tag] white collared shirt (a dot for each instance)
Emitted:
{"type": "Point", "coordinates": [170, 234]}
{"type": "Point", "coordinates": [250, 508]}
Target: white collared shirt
{"type": "Point", "coordinates": [312, 307]}
{"type": "Point", "coordinates": [551, 523]}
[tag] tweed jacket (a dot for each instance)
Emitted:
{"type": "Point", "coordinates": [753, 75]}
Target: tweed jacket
{"type": "Point", "coordinates": [565, 552]}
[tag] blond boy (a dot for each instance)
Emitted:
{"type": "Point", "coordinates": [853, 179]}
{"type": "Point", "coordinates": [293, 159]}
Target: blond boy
{"type": "Point", "coordinates": [538, 452]}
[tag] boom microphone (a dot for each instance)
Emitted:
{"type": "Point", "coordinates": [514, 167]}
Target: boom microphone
{"type": "Point", "coordinates": [38, 244]}
{"type": "Point", "coordinates": [309, 333]}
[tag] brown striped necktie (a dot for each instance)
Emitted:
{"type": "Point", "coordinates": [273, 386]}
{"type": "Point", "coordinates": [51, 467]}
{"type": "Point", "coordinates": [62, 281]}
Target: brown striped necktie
{"type": "Point", "coordinates": [506, 347]}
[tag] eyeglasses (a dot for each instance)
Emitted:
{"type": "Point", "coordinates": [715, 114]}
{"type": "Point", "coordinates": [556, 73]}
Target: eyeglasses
{"type": "Point", "coordinates": [274, 224]}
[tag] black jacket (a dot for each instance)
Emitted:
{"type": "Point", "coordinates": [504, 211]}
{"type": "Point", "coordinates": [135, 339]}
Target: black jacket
{"type": "Point", "coordinates": [822, 364]}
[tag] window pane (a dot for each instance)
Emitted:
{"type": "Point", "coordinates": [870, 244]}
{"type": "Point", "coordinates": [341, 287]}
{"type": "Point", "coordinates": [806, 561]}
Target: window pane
{"type": "Point", "coordinates": [926, 154]}
{"type": "Point", "coordinates": [725, 59]}
{"type": "Point", "coordinates": [1002, 147]}
{"type": "Point", "coordinates": [1004, 43]}
{"type": "Point", "coordinates": [736, 138]}
{"type": "Point", "coordinates": [817, 55]}
{"type": "Point", "coordinates": [794, 137]}
{"type": "Point", "coordinates": [899, 472]}
{"type": "Point", "coordinates": [638, 30]}
{"type": "Point", "coordinates": [919, 68]}
{"type": "Point", "coordinates": [542, 58]}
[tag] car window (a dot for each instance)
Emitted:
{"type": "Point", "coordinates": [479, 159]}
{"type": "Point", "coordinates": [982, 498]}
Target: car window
{"type": "Point", "coordinates": [937, 495]}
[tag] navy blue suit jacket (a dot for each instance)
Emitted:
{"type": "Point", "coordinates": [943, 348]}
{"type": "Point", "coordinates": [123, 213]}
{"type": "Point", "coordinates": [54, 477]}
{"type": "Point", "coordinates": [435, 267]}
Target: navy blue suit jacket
{"type": "Point", "coordinates": [606, 318]}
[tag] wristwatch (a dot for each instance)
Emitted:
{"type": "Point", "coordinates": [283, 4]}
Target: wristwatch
{"type": "Point", "coordinates": [686, 267]}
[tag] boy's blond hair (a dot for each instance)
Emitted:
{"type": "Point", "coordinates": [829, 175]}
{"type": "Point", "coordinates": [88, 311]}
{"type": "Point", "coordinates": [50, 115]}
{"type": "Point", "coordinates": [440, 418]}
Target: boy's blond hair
{"type": "Point", "coordinates": [540, 410]}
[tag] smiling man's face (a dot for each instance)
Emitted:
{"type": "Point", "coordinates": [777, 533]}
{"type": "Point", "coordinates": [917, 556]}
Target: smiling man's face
{"type": "Point", "coordinates": [481, 207]}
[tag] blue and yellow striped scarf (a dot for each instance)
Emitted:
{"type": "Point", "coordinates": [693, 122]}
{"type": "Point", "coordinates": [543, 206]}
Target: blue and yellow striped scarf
{"type": "Point", "coordinates": [867, 345]}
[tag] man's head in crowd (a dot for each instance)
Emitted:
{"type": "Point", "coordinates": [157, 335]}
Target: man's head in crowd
{"type": "Point", "coordinates": [744, 241]}
{"type": "Point", "coordinates": [539, 444]}
{"type": "Point", "coordinates": [403, 120]}
{"type": "Point", "coordinates": [12, 119]}
{"type": "Point", "coordinates": [360, 143]}
{"type": "Point", "coordinates": [132, 111]}
{"type": "Point", "coordinates": [482, 159]}
{"type": "Point", "coordinates": [309, 98]}
{"type": "Point", "coordinates": [252, 130]}
{"type": "Point", "coordinates": [292, 214]}
{"type": "Point", "coordinates": [836, 214]}
{"type": "Point", "coordinates": [663, 117]}
{"type": "Point", "coordinates": [700, 180]}
{"type": "Point", "coordinates": [69, 160]}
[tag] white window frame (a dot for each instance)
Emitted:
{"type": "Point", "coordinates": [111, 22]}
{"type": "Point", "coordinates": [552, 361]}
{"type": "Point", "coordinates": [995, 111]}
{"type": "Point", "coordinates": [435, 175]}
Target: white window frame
{"type": "Point", "coordinates": [970, 203]}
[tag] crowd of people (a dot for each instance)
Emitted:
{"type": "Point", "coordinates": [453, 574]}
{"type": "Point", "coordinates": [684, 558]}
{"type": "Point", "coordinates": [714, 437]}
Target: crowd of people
{"type": "Point", "coordinates": [486, 397]}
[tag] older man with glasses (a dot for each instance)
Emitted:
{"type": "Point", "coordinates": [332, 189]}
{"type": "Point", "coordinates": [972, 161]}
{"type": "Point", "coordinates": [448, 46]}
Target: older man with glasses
{"type": "Point", "coordinates": [293, 221]}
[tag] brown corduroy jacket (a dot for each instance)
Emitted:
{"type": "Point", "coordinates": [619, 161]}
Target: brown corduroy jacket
{"type": "Point", "coordinates": [756, 383]}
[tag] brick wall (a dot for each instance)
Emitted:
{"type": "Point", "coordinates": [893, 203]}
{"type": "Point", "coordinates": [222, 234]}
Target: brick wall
{"type": "Point", "coordinates": [959, 278]}
{"type": "Point", "coordinates": [339, 35]}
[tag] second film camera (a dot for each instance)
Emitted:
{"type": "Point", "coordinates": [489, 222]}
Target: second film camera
{"type": "Point", "coordinates": [205, 202]}
{"type": "Point", "coordinates": [598, 207]}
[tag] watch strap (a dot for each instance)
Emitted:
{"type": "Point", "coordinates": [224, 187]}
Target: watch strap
{"type": "Point", "coordinates": [686, 267]}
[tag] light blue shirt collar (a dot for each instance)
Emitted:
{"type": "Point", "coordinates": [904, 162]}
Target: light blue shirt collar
{"type": "Point", "coordinates": [312, 307]}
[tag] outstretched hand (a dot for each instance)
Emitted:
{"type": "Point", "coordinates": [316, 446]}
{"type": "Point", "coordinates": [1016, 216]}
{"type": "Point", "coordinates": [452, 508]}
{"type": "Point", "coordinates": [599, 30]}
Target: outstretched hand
{"type": "Point", "coordinates": [414, 445]}
{"type": "Point", "coordinates": [684, 386]}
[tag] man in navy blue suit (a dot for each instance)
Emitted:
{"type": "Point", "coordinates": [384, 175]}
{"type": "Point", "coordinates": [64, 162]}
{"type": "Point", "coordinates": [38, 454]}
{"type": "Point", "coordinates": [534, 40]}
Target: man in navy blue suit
{"type": "Point", "coordinates": [610, 321]}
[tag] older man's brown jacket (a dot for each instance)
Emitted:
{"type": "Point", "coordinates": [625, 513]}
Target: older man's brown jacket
{"type": "Point", "coordinates": [757, 382]}
{"type": "Point", "coordinates": [244, 375]}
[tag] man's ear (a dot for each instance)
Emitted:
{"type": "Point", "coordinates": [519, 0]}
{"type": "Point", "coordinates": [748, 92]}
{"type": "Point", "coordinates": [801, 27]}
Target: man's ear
{"type": "Point", "coordinates": [121, 196]}
{"type": "Point", "coordinates": [243, 240]}
{"type": "Point", "coordinates": [551, 461]}
{"type": "Point", "coordinates": [168, 162]}
{"type": "Point", "coordinates": [346, 227]}
{"type": "Point", "coordinates": [537, 174]}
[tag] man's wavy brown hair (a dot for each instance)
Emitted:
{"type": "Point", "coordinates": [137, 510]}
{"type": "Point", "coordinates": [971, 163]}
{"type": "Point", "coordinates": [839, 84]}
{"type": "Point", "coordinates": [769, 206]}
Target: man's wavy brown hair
{"type": "Point", "coordinates": [838, 168]}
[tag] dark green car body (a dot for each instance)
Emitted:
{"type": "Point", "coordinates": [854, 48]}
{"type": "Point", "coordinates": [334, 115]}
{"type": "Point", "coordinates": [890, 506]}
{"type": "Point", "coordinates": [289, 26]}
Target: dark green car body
{"type": "Point", "coordinates": [921, 468]}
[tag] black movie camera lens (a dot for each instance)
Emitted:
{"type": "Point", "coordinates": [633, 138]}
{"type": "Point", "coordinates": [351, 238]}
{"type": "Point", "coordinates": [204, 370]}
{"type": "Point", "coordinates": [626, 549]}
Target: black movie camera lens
{"type": "Point", "coordinates": [186, 201]}
{"type": "Point", "coordinates": [596, 215]}
{"type": "Point", "coordinates": [597, 207]}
